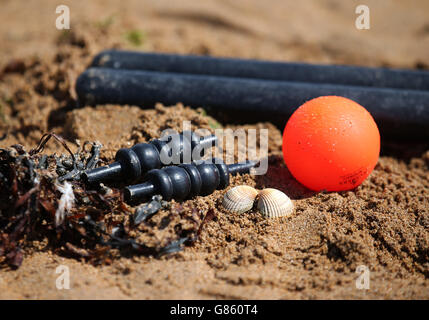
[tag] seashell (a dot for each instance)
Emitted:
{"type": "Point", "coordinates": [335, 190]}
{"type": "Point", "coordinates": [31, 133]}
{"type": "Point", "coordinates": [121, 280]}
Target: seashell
{"type": "Point", "coordinates": [273, 203]}
{"type": "Point", "coordinates": [239, 199]}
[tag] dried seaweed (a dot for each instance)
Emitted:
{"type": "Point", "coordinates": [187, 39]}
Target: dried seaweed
{"type": "Point", "coordinates": [210, 215]}
{"type": "Point", "coordinates": [30, 199]}
{"type": "Point", "coordinates": [71, 167]}
{"type": "Point", "coordinates": [147, 210]}
{"type": "Point", "coordinates": [173, 247]}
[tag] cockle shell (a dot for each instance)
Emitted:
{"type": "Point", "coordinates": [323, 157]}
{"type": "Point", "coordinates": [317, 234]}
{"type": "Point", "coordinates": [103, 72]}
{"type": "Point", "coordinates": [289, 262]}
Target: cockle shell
{"type": "Point", "coordinates": [240, 199]}
{"type": "Point", "coordinates": [273, 203]}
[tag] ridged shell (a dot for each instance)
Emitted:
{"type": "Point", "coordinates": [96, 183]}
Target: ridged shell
{"type": "Point", "coordinates": [273, 203]}
{"type": "Point", "coordinates": [239, 199]}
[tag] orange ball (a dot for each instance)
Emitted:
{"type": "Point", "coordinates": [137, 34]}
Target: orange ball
{"type": "Point", "coordinates": [331, 143]}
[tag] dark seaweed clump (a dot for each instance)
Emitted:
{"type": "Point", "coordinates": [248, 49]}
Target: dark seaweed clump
{"type": "Point", "coordinates": [30, 184]}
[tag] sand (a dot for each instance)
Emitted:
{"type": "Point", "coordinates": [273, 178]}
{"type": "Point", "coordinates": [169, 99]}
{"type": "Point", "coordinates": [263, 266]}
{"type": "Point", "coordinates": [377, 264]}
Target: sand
{"type": "Point", "coordinates": [383, 224]}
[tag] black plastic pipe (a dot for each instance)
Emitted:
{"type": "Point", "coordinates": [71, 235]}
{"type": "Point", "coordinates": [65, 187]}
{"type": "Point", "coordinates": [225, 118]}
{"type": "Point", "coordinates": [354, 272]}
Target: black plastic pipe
{"type": "Point", "coordinates": [186, 180]}
{"type": "Point", "coordinates": [403, 113]}
{"type": "Point", "coordinates": [284, 71]}
{"type": "Point", "coordinates": [132, 163]}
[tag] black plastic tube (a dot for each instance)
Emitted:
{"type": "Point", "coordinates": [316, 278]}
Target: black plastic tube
{"type": "Point", "coordinates": [186, 181]}
{"type": "Point", "coordinates": [133, 163]}
{"type": "Point", "coordinates": [258, 69]}
{"type": "Point", "coordinates": [403, 113]}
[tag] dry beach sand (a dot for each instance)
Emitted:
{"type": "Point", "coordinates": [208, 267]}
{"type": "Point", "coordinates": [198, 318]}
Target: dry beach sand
{"type": "Point", "coordinates": [383, 224]}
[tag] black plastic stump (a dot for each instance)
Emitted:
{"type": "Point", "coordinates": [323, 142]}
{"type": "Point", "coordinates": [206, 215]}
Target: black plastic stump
{"type": "Point", "coordinates": [131, 164]}
{"type": "Point", "coordinates": [267, 70]}
{"type": "Point", "coordinates": [185, 181]}
{"type": "Point", "coordinates": [252, 90]}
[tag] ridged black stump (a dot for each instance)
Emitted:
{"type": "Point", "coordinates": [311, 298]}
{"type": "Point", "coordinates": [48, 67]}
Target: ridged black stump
{"type": "Point", "coordinates": [185, 181]}
{"type": "Point", "coordinates": [132, 163]}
